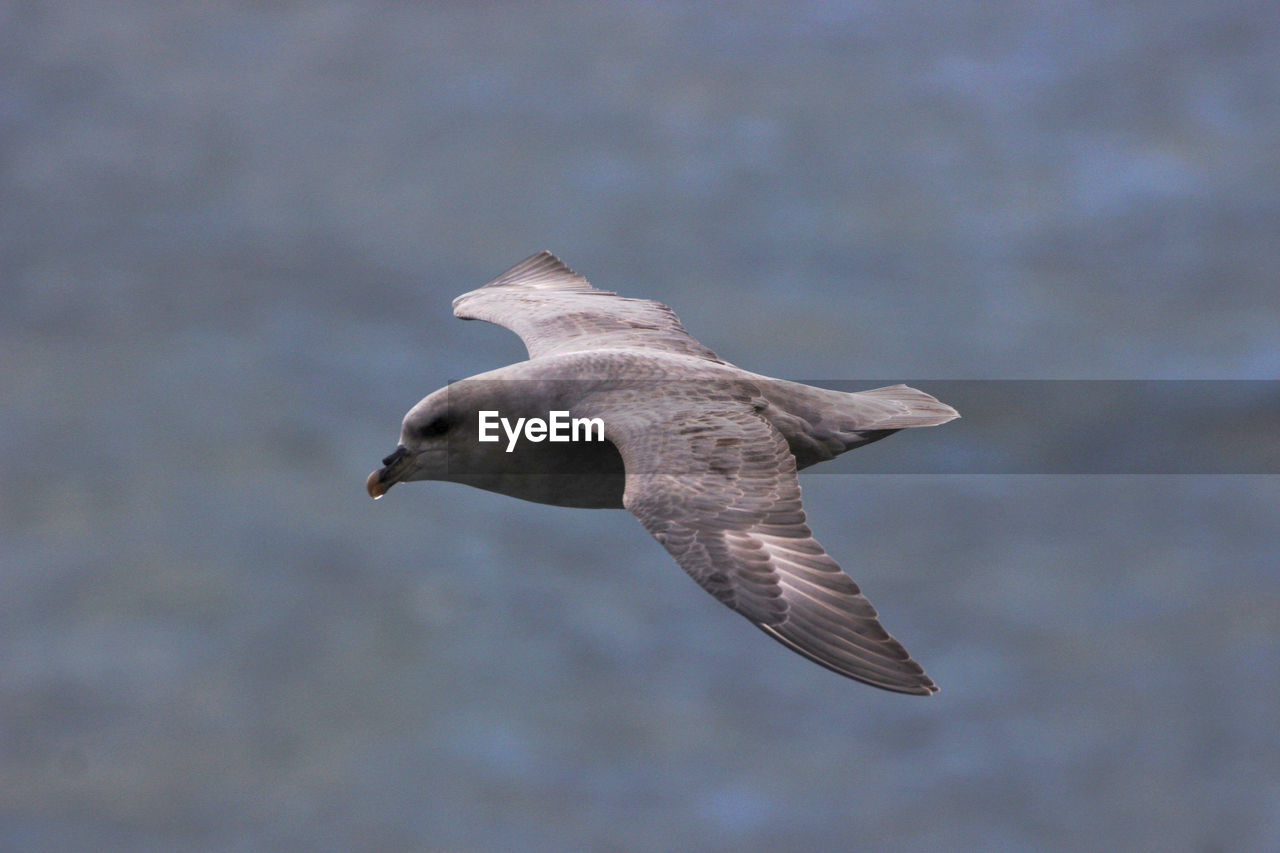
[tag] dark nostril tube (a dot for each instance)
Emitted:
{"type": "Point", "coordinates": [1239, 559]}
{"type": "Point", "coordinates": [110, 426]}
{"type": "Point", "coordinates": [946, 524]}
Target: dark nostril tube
{"type": "Point", "coordinates": [396, 455]}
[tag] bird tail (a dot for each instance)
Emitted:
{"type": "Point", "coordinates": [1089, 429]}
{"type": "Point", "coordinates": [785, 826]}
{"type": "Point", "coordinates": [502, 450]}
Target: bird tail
{"type": "Point", "coordinates": [821, 423]}
{"type": "Point", "coordinates": [862, 417]}
{"type": "Point", "coordinates": [897, 407]}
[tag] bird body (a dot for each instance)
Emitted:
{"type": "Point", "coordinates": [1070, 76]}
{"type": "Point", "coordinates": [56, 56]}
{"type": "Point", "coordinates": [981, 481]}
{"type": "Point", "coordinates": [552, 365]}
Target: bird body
{"type": "Point", "coordinates": [702, 452]}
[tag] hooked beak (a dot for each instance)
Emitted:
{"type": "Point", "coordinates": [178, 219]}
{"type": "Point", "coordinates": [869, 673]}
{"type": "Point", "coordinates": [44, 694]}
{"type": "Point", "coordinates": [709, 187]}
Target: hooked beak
{"type": "Point", "coordinates": [393, 468]}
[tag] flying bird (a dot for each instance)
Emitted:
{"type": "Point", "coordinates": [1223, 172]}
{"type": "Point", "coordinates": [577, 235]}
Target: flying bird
{"type": "Point", "coordinates": [702, 452]}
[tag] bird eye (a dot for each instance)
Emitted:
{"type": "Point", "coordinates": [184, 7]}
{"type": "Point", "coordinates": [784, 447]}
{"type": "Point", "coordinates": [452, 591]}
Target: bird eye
{"type": "Point", "coordinates": [435, 427]}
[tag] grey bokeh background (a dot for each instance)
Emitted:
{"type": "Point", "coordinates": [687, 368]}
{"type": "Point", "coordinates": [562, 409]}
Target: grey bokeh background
{"type": "Point", "coordinates": [230, 236]}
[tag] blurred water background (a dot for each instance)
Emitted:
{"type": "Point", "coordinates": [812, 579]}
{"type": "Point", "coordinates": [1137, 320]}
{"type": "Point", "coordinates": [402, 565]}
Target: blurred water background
{"type": "Point", "coordinates": [229, 238]}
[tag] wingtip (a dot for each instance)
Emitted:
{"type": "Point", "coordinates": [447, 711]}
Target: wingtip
{"type": "Point", "coordinates": [542, 268]}
{"type": "Point", "coordinates": [907, 676]}
{"type": "Point", "coordinates": [926, 687]}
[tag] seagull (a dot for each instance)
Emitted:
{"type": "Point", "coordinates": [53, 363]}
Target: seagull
{"type": "Point", "coordinates": [702, 452]}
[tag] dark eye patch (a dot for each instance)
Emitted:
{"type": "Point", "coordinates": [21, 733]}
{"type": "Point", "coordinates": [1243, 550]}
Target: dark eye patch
{"type": "Point", "coordinates": [435, 427]}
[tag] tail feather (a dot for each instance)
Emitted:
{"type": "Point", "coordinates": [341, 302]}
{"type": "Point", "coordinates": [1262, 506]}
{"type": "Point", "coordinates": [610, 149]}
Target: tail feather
{"type": "Point", "coordinates": [898, 407]}
{"type": "Point", "coordinates": [820, 423]}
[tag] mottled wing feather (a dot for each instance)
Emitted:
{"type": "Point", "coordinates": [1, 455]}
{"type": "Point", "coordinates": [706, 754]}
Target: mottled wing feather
{"type": "Point", "coordinates": [717, 486]}
{"type": "Point", "coordinates": [554, 310]}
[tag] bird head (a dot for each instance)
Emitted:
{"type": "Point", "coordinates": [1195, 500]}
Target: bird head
{"type": "Point", "coordinates": [423, 451]}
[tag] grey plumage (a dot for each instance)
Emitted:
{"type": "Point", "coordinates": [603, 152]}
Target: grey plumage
{"type": "Point", "coordinates": [703, 453]}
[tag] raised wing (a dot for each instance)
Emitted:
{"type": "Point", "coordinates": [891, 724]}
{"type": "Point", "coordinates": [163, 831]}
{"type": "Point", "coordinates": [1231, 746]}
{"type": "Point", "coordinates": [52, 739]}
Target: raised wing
{"type": "Point", "coordinates": [716, 485]}
{"type": "Point", "coordinates": [554, 310]}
